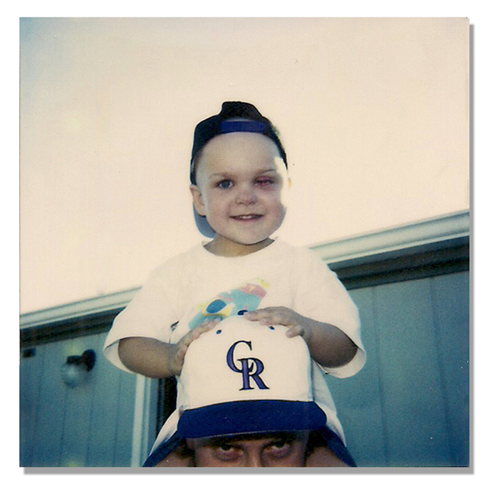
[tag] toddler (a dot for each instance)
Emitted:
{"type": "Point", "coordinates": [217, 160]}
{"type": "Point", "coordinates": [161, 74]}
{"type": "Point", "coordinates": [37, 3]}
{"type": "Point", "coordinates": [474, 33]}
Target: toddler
{"type": "Point", "coordinates": [239, 184]}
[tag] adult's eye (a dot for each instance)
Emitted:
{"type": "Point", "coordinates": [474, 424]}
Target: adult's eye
{"type": "Point", "coordinates": [227, 453]}
{"type": "Point", "coordinates": [280, 448]}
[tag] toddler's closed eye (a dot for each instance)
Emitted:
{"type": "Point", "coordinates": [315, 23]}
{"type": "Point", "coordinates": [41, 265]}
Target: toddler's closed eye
{"type": "Point", "coordinates": [265, 182]}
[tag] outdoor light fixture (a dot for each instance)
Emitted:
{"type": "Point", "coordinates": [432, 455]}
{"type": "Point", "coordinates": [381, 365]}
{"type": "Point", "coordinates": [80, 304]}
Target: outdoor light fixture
{"type": "Point", "coordinates": [75, 371]}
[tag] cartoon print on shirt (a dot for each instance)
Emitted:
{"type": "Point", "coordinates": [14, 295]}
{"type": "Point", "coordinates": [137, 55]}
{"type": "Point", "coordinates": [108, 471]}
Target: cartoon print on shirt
{"type": "Point", "coordinates": [246, 297]}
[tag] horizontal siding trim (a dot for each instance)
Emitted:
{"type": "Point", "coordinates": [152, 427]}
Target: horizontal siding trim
{"type": "Point", "coordinates": [423, 233]}
{"type": "Point", "coordinates": [67, 329]}
{"type": "Point", "coordinates": [397, 267]}
{"type": "Point", "coordinates": [93, 306]}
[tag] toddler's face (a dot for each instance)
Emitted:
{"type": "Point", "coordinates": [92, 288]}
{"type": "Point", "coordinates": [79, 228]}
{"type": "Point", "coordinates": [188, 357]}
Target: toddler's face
{"type": "Point", "coordinates": [241, 188]}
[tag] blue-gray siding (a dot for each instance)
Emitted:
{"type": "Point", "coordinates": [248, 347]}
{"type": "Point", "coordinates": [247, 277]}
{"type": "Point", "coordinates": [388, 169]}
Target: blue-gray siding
{"type": "Point", "coordinates": [90, 425]}
{"type": "Point", "coordinates": [409, 406]}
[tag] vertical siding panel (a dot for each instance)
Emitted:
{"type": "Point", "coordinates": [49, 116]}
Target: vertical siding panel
{"type": "Point", "coordinates": [30, 375]}
{"type": "Point", "coordinates": [103, 424]}
{"type": "Point", "coordinates": [380, 378]}
{"type": "Point", "coordinates": [358, 398]}
{"type": "Point", "coordinates": [412, 385]}
{"type": "Point", "coordinates": [79, 404]}
{"type": "Point", "coordinates": [125, 419]}
{"type": "Point", "coordinates": [451, 299]}
{"type": "Point", "coordinates": [50, 417]}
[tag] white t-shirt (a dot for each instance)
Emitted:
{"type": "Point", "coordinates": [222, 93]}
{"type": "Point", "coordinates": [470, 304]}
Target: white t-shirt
{"type": "Point", "coordinates": [179, 294]}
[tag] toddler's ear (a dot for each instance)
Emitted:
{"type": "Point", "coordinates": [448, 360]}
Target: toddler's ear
{"type": "Point", "coordinates": [197, 200]}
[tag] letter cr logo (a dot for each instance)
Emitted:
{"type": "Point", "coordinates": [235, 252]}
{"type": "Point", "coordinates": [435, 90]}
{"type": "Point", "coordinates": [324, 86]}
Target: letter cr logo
{"type": "Point", "coordinates": [251, 367]}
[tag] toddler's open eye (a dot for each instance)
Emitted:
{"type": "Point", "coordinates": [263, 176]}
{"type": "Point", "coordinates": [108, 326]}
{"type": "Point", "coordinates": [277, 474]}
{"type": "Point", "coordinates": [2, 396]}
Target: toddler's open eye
{"type": "Point", "coordinates": [225, 184]}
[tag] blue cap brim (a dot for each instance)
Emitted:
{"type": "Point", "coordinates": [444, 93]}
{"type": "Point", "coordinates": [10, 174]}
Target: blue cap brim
{"type": "Point", "coordinates": [245, 417]}
{"type": "Point", "coordinates": [203, 225]}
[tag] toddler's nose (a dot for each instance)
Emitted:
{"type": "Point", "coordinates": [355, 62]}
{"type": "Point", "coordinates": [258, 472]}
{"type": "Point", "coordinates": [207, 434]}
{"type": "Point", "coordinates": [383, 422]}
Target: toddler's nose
{"type": "Point", "coordinates": [246, 196]}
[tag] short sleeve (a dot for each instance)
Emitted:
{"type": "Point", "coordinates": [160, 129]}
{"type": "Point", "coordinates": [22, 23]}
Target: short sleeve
{"type": "Point", "coordinates": [150, 315]}
{"type": "Point", "coordinates": [322, 297]}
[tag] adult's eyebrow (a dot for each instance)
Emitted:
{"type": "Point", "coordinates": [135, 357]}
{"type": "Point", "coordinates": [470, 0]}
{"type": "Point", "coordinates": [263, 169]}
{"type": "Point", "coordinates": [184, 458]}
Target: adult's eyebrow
{"type": "Point", "coordinates": [226, 440]}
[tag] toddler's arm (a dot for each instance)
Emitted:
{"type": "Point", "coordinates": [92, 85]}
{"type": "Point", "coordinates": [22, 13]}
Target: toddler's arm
{"type": "Point", "coordinates": [156, 359]}
{"type": "Point", "coordinates": [328, 345]}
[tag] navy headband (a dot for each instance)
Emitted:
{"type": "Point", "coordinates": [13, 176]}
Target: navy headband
{"type": "Point", "coordinates": [229, 126]}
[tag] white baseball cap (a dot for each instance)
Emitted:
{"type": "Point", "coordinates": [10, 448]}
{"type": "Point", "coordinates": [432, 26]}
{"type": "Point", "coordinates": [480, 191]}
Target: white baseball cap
{"type": "Point", "coordinates": [243, 377]}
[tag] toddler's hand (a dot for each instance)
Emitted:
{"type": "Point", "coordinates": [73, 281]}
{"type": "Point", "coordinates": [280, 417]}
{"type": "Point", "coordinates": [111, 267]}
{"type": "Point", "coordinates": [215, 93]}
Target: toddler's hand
{"type": "Point", "coordinates": [180, 348]}
{"type": "Point", "coordinates": [280, 315]}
